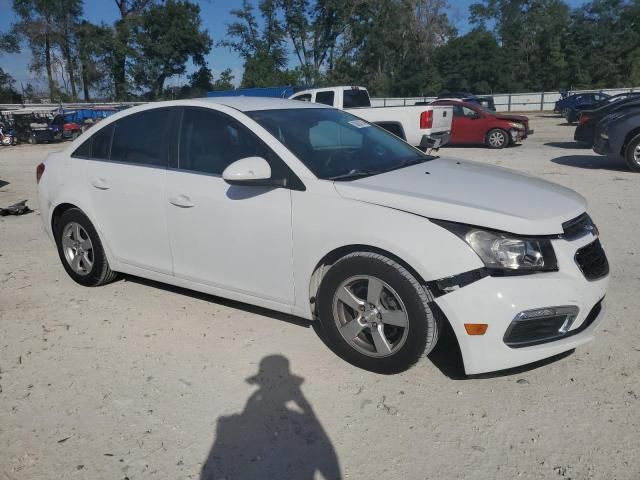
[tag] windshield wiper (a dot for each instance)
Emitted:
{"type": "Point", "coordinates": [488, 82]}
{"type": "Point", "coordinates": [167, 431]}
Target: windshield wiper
{"type": "Point", "coordinates": [354, 174]}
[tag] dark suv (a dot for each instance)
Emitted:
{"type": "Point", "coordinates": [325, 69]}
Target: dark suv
{"type": "Point", "coordinates": [585, 131]}
{"type": "Point", "coordinates": [619, 134]}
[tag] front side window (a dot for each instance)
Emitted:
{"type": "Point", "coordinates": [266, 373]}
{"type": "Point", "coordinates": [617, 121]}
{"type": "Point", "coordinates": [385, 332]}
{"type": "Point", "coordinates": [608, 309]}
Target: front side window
{"type": "Point", "coordinates": [468, 112]}
{"type": "Point", "coordinates": [326, 98]}
{"type": "Point", "coordinates": [337, 145]}
{"type": "Point", "coordinates": [210, 141]}
{"type": "Point", "coordinates": [141, 138]}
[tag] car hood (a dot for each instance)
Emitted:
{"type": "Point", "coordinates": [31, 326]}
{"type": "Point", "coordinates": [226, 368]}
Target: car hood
{"type": "Point", "coordinates": [472, 193]}
{"type": "Point", "coordinates": [513, 118]}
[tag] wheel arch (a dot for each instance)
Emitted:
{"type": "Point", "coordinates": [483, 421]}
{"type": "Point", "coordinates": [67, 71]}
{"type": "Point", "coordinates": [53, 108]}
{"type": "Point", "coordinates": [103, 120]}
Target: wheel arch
{"type": "Point", "coordinates": [630, 136]}
{"type": "Point", "coordinates": [58, 211]}
{"type": "Point", "coordinates": [336, 254]}
{"type": "Point", "coordinates": [62, 207]}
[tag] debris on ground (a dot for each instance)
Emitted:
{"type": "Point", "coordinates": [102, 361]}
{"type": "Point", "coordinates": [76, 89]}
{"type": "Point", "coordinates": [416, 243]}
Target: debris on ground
{"type": "Point", "coordinates": [19, 208]}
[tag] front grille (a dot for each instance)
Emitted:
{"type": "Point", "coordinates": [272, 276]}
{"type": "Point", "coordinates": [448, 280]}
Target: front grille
{"type": "Point", "coordinates": [592, 261]}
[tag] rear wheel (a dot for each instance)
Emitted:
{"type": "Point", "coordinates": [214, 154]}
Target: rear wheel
{"type": "Point", "coordinates": [375, 314]}
{"type": "Point", "coordinates": [497, 138]}
{"type": "Point", "coordinates": [632, 153]}
{"type": "Point", "coordinates": [80, 250]}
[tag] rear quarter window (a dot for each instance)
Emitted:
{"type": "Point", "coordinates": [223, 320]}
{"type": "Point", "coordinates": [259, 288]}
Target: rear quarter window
{"type": "Point", "coordinates": [97, 146]}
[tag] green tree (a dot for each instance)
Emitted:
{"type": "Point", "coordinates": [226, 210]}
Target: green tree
{"type": "Point", "coordinates": [37, 23]}
{"type": "Point", "coordinates": [224, 81]}
{"type": "Point", "coordinates": [314, 29]}
{"type": "Point", "coordinates": [96, 58]}
{"type": "Point", "coordinates": [8, 93]}
{"type": "Point", "coordinates": [467, 63]}
{"type": "Point", "coordinates": [390, 47]}
{"type": "Point", "coordinates": [165, 38]}
{"type": "Point", "coordinates": [531, 35]}
{"type": "Point", "coordinates": [262, 48]}
{"type": "Point", "coordinates": [121, 41]}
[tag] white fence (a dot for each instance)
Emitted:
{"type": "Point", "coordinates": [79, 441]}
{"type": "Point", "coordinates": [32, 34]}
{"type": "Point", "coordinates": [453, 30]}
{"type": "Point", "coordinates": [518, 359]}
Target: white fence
{"type": "Point", "coordinates": [508, 102]}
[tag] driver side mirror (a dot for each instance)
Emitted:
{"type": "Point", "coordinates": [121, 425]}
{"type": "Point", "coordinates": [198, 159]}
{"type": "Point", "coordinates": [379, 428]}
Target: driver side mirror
{"type": "Point", "coordinates": [248, 171]}
{"type": "Point", "coordinates": [475, 116]}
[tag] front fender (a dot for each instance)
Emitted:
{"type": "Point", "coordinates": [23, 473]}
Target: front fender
{"type": "Point", "coordinates": [323, 222]}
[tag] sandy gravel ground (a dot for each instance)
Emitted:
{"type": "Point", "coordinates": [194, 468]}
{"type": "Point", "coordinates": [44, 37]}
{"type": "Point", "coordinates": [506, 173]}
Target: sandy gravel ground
{"type": "Point", "coordinates": [137, 380]}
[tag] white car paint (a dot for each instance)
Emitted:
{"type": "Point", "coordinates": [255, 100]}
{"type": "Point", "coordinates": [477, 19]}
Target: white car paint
{"type": "Point", "coordinates": [406, 116]}
{"type": "Point", "coordinates": [263, 246]}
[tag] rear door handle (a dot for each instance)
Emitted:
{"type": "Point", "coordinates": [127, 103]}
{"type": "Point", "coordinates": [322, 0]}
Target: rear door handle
{"type": "Point", "coordinates": [100, 184]}
{"type": "Point", "coordinates": [181, 201]}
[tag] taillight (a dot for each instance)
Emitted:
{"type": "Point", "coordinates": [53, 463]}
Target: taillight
{"type": "Point", "coordinates": [584, 118]}
{"type": "Point", "coordinates": [39, 172]}
{"type": "Point", "coordinates": [426, 119]}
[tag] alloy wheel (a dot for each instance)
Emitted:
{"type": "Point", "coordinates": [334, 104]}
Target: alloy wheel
{"type": "Point", "coordinates": [77, 248]}
{"type": "Point", "coordinates": [370, 316]}
{"type": "Point", "coordinates": [497, 139]}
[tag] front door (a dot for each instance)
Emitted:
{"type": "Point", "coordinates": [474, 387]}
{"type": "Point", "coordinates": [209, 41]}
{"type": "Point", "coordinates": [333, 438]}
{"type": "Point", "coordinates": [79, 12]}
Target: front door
{"type": "Point", "coordinates": [465, 127]}
{"type": "Point", "coordinates": [238, 238]}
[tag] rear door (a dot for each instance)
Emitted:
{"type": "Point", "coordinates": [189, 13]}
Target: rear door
{"type": "Point", "coordinates": [126, 180]}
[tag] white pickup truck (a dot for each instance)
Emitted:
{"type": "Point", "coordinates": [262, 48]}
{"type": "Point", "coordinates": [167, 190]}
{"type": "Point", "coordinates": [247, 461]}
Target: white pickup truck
{"type": "Point", "coordinates": [423, 126]}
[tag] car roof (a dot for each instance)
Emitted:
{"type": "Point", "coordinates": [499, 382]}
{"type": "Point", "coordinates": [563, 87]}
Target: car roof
{"type": "Point", "coordinates": [247, 104]}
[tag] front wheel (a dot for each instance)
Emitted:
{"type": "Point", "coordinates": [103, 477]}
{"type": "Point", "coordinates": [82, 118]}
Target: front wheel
{"type": "Point", "coordinates": [497, 138]}
{"type": "Point", "coordinates": [632, 154]}
{"type": "Point", "coordinates": [80, 250]}
{"type": "Point", "coordinates": [375, 314]}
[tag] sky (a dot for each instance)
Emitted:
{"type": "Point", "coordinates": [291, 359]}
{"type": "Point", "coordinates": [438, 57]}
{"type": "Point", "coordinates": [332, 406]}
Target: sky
{"type": "Point", "coordinates": [215, 16]}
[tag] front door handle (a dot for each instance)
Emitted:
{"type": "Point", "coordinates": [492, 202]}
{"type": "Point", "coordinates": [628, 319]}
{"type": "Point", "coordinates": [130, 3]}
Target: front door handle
{"type": "Point", "coordinates": [181, 201]}
{"type": "Point", "coordinates": [100, 184]}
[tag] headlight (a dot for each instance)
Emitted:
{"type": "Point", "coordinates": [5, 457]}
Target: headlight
{"type": "Point", "coordinates": [519, 126]}
{"type": "Point", "coordinates": [505, 252]}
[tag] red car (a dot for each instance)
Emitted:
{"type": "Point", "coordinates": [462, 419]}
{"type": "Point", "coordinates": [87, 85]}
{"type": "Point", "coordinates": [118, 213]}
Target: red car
{"type": "Point", "coordinates": [472, 124]}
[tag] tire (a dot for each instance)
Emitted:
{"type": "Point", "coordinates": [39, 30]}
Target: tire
{"type": "Point", "coordinates": [374, 344]}
{"type": "Point", "coordinates": [632, 153]}
{"type": "Point", "coordinates": [80, 250]}
{"type": "Point", "coordinates": [497, 138]}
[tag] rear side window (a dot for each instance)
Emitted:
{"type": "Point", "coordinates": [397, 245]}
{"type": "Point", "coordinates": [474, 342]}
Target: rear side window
{"type": "Point", "coordinates": [355, 99]}
{"type": "Point", "coordinates": [141, 138]}
{"type": "Point", "coordinates": [210, 141]}
{"type": "Point", "coordinates": [325, 98]}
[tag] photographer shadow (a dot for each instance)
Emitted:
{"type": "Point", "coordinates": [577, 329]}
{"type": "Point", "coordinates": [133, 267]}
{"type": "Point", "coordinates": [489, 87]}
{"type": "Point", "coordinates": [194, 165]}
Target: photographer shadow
{"type": "Point", "coordinates": [276, 436]}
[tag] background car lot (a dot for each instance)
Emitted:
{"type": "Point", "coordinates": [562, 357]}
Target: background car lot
{"type": "Point", "coordinates": [130, 380]}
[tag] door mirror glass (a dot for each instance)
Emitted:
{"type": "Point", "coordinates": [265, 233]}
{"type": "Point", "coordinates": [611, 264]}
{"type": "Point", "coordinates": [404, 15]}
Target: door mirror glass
{"type": "Point", "coordinates": [248, 171]}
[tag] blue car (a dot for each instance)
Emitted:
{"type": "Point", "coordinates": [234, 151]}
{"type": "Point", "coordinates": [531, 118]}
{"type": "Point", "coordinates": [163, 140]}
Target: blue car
{"type": "Point", "coordinates": [563, 106]}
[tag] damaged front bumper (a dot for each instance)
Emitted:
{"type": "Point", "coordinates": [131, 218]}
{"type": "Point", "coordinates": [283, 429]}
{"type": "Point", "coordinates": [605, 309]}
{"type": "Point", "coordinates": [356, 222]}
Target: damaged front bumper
{"type": "Point", "coordinates": [499, 301]}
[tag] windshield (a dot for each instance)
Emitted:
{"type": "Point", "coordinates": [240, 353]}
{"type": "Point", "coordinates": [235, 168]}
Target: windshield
{"type": "Point", "coordinates": [336, 145]}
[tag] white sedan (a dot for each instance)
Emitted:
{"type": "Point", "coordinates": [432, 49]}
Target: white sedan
{"type": "Point", "coordinates": [309, 210]}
